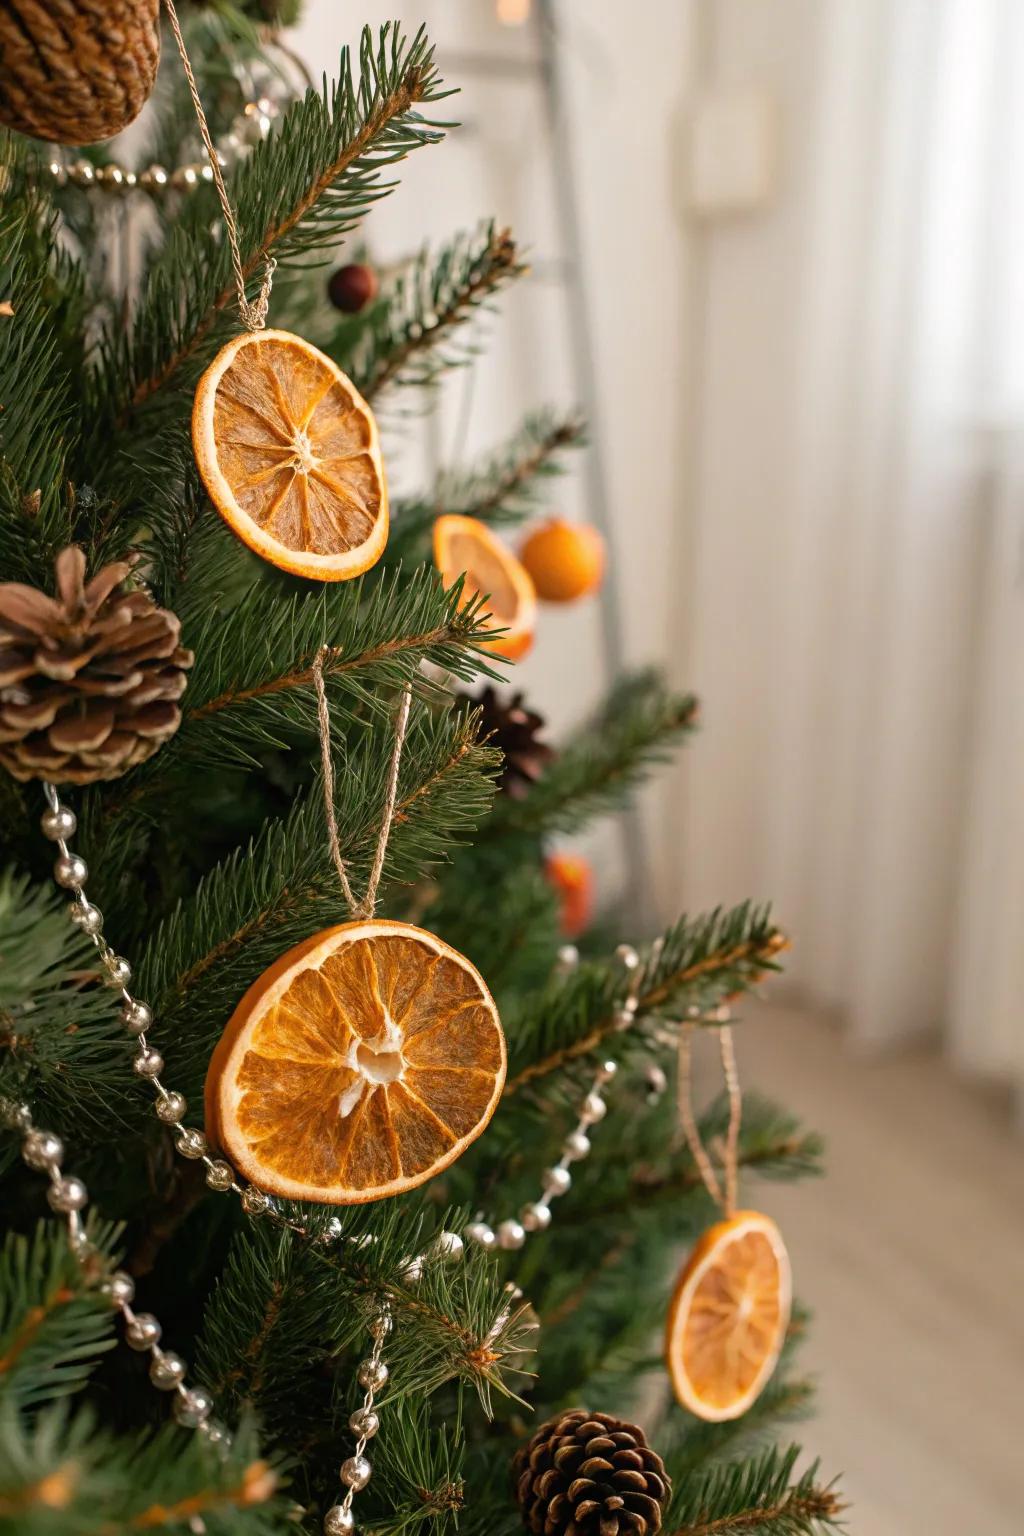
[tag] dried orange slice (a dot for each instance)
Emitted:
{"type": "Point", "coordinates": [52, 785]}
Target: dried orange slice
{"type": "Point", "coordinates": [464, 544]}
{"type": "Point", "coordinates": [360, 1063]}
{"type": "Point", "coordinates": [728, 1317]}
{"type": "Point", "coordinates": [290, 455]}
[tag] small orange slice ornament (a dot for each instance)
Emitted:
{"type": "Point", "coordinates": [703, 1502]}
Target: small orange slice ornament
{"type": "Point", "coordinates": [359, 1065]}
{"type": "Point", "coordinates": [289, 453]}
{"type": "Point", "coordinates": [464, 545]}
{"type": "Point", "coordinates": [728, 1317]}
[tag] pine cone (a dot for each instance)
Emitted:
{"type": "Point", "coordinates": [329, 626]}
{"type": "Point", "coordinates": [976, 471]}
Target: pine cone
{"type": "Point", "coordinates": [89, 681]}
{"type": "Point", "coordinates": [76, 71]}
{"type": "Point", "coordinates": [589, 1474]}
{"type": "Point", "coordinates": [512, 727]}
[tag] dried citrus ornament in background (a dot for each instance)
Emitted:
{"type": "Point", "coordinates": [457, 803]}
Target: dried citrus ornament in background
{"type": "Point", "coordinates": [360, 1064]}
{"type": "Point", "coordinates": [465, 545]}
{"type": "Point", "coordinates": [728, 1317]}
{"type": "Point", "coordinates": [290, 456]}
{"type": "Point", "coordinates": [565, 560]}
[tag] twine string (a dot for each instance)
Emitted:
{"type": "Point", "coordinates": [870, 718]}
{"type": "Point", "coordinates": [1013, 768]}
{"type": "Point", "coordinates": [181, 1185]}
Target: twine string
{"type": "Point", "coordinates": [252, 311]}
{"type": "Point", "coordinates": [722, 1191]}
{"type": "Point", "coordinates": [368, 905]}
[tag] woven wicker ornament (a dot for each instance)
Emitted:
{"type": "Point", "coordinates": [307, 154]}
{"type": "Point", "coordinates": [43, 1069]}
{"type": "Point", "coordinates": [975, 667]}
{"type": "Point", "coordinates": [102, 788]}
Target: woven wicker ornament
{"type": "Point", "coordinates": [76, 71]}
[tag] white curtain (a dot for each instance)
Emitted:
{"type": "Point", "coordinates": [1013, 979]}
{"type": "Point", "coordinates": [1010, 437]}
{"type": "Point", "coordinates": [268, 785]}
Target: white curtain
{"type": "Point", "coordinates": [881, 707]}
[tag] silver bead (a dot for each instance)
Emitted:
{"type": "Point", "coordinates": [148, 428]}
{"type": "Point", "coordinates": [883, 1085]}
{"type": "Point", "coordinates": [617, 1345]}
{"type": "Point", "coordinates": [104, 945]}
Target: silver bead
{"type": "Point", "coordinates": [339, 1521]}
{"type": "Point", "coordinates": [511, 1235]}
{"type": "Point", "coordinates": [110, 176]}
{"type": "Point", "coordinates": [17, 1117]}
{"type": "Point", "coordinates": [627, 957]}
{"type": "Point", "coordinates": [576, 1146]}
{"type": "Point", "coordinates": [59, 824]}
{"type": "Point", "coordinates": [119, 972]}
{"type": "Point", "coordinates": [193, 1407]}
{"type": "Point", "coordinates": [216, 1434]}
{"type": "Point", "coordinates": [220, 1175]}
{"type": "Point", "coordinates": [153, 179]}
{"type": "Point", "coordinates": [623, 1018]}
{"type": "Point", "coordinates": [332, 1231]}
{"type": "Point", "coordinates": [170, 1107]}
{"type": "Point", "coordinates": [372, 1375]}
{"type": "Point", "coordinates": [607, 1071]}
{"type": "Point", "coordinates": [556, 1181]}
{"type": "Point", "coordinates": [568, 958]}
{"type": "Point", "coordinates": [88, 917]}
{"type": "Point", "coordinates": [657, 1082]}
{"type": "Point", "coordinates": [148, 1063]}
{"type": "Point", "coordinates": [380, 1325]}
{"type": "Point", "coordinates": [70, 870]}
{"type": "Point", "coordinates": [185, 178]}
{"type": "Point", "coordinates": [167, 1371]}
{"type": "Point", "coordinates": [447, 1246]}
{"type": "Point", "coordinates": [412, 1273]}
{"type": "Point", "coordinates": [82, 173]}
{"type": "Point", "coordinates": [131, 181]}
{"type": "Point", "coordinates": [254, 1201]}
{"type": "Point", "coordinates": [136, 1016]}
{"type": "Point", "coordinates": [68, 1194]}
{"type": "Point", "coordinates": [191, 1143]}
{"type": "Point", "coordinates": [58, 171]}
{"type": "Point", "coordinates": [594, 1108]}
{"type": "Point", "coordinates": [356, 1472]}
{"type": "Point", "coordinates": [484, 1236]}
{"type": "Point", "coordinates": [119, 1288]}
{"type": "Point", "coordinates": [535, 1217]}
{"type": "Point", "coordinates": [142, 1331]}
{"type": "Point", "coordinates": [364, 1423]}
{"type": "Point", "coordinates": [42, 1149]}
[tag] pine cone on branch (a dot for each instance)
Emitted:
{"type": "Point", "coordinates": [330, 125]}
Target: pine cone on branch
{"type": "Point", "coordinates": [589, 1474]}
{"type": "Point", "coordinates": [514, 729]}
{"type": "Point", "coordinates": [89, 680]}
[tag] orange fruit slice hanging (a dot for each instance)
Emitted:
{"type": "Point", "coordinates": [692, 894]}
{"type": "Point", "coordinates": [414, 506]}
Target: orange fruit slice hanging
{"type": "Point", "coordinates": [466, 545]}
{"type": "Point", "coordinates": [290, 456]}
{"type": "Point", "coordinates": [728, 1316]}
{"type": "Point", "coordinates": [360, 1064]}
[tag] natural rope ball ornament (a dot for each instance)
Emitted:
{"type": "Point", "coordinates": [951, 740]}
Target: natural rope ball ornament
{"type": "Point", "coordinates": [367, 1058]}
{"type": "Point", "coordinates": [286, 446]}
{"type": "Point", "coordinates": [728, 1316]}
{"type": "Point", "coordinates": [76, 71]}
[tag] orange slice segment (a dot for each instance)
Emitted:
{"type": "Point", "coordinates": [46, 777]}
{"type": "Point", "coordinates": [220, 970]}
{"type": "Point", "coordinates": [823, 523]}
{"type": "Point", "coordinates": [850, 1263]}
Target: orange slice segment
{"type": "Point", "coordinates": [360, 1064]}
{"type": "Point", "coordinates": [466, 545]}
{"type": "Point", "coordinates": [728, 1316]}
{"type": "Point", "coordinates": [290, 456]}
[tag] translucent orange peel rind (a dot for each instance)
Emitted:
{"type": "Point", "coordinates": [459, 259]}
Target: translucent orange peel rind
{"type": "Point", "coordinates": [362, 1063]}
{"type": "Point", "coordinates": [728, 1317]}
{"type": "Point", "coordinates": [465, 545]}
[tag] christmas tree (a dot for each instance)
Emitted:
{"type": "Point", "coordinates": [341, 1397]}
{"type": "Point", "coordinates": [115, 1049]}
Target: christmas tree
{"type": "Point", "coordinates": [275, 839]}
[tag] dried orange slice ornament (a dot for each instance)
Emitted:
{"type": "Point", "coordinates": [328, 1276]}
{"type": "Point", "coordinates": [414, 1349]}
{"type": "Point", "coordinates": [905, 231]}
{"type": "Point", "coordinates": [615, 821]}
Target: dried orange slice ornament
{"type": "Point", "coordinates": [290, 456]}
{"type": "Point", "coordinates": [360, 1064]}
{"type": "Point", "coordinates": [728, 1317]}
{"type": "Point", "coordinates": [466, 545]}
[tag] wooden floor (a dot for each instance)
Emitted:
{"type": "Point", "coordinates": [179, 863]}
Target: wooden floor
{"type": "Point", "coordinates": [911, 1254]}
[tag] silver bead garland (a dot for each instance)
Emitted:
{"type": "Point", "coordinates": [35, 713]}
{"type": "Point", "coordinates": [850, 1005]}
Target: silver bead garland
{"type": "Point", "coordinates": [251, 126]}
{"type": "Point", "coordinates": [372, 1375]}
{"type": "Point", "coordinates": [43, 1152]}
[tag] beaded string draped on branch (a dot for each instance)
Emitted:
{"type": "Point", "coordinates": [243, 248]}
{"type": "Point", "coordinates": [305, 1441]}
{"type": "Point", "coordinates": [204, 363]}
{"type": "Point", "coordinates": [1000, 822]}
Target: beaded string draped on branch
{"type": "Point", "coordinates": [721, 1189]}
{"type": "Point", "coordinates": [368, 905]}
{"type": "Point", "coordinates": [253, 312]}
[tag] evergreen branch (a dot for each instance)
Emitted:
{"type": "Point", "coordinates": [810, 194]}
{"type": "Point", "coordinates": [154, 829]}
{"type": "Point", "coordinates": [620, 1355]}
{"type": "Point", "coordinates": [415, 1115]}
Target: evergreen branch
{"type": "Point", "coordinates": [430, 301]}
{"type": "Point", "coordinates": [719, 955]}
{"type": "Point", "coordinates": [506, 486]}
{"type": "Point", "coordinates": [759, 1496]}
{"type": "Point", "coordinates": [304, 187]}
{"type": "Point", "coordinates": [783, 1401]}
{"type": "Point", "coordinates": [634, 730]}
{"type": "Point", "coordinates": [51, 1330]}
{"type": "Point", "coordinates": [503, 489]}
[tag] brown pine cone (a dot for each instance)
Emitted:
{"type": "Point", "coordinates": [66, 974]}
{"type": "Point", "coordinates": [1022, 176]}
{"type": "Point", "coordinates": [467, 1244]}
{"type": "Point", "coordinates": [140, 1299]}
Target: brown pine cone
{"type": "Point", "coordinates": [589, 1474]}
{"type": "Point", "coordinates": [514, 728]}
{"type": "Point", "coordinates": [76, 71]}
{"type": "Point", "coordinates": [89, 680]}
